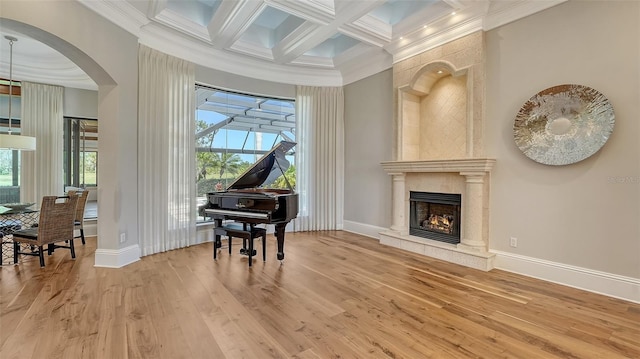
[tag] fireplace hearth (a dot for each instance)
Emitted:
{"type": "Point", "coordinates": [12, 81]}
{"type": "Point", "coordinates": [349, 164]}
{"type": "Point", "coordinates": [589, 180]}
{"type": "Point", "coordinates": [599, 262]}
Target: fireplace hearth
{"type": "Point", "coordinates": [435, 216]}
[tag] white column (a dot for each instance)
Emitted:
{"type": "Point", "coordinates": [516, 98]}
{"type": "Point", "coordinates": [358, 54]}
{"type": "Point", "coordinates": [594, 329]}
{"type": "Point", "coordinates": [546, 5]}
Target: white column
{"type": "Point", "coordinates": [472, 225]}
{"type": "Point", "coordinates": [398, 198]}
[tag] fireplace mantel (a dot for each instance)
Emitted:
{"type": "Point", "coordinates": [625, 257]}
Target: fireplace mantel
{"type": "Point", "coordinates": [440, 166]}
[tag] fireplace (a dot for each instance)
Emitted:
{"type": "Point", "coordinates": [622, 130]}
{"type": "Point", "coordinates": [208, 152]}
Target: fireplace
{"type": "Point", "coordinates": [439, 138]}
{"type": "Point", "coordinates": [435, 216]}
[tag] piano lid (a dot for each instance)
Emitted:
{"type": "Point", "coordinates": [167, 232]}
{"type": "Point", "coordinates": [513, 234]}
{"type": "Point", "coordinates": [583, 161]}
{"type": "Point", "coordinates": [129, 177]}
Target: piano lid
{"type": "Point", "coordinates": [268, 168]}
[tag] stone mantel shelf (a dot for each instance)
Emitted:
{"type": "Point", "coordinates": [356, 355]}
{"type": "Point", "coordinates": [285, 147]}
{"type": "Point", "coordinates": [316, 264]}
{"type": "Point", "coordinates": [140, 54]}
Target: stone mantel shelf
{"type": "Point", "coordinates": [440, 166]}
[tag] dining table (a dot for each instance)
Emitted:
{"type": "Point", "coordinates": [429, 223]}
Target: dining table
{"type": "Point", "coordinates": [10, 221]}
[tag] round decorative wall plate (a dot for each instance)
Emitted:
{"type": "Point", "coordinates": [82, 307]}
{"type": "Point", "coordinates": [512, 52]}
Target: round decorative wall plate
{"type": "Point", "coordinates": [563, 124]}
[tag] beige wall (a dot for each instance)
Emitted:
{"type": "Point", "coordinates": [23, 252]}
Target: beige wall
{"type": "Point", "coordinates": [368, 141]}
{"type": "Point", "coordinates": [585, 214]}
{"type": "Point", "coordinates": [80, 103]}
{"type": "Point", "coordinates": [582, 215]}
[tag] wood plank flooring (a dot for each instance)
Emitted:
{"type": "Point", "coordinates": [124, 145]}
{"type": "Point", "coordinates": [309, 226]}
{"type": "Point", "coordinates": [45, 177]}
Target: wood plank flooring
{"type": "Point", "coordinates": [336, 295]}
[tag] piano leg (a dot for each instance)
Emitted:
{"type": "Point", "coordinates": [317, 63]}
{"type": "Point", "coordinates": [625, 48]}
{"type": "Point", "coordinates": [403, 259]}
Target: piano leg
{"type": "Point", "coordinates": [217, 241]}
{"type": "Point", "coordinates": [279, 232]}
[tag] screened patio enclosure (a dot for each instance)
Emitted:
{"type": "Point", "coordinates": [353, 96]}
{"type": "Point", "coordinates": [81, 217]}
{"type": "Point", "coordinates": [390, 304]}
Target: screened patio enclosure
{"type": "Point", "coordinates": [234, 130]}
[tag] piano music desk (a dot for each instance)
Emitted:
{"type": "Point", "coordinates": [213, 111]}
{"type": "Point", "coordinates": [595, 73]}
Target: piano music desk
{"type": "Point", "coordinates": [248, 232]}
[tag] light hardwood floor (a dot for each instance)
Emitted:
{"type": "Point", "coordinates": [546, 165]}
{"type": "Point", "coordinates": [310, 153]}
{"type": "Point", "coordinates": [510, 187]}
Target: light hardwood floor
{"type": "Point", "coordinates": [336, 295]}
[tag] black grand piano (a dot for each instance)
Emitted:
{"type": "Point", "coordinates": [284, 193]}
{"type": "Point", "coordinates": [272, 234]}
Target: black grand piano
{"type": "Point", "coordinates": [247, 200]}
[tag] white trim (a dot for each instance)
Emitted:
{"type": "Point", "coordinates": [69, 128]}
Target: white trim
{"type": "Point", "coordinates": [204, 232]}
{"type": "Point", "coordinates": [90, 227]}
{"type": "Point", "coordinates": [608, 284]}
{"type": "Point", "coordinates": [438, 166]}
{"type": "Point", "coordinates": [505, 12]}
{"type": "Point", "coordinates": [363, 229]}
{"type": "Point", "coordinates": [117, 258]}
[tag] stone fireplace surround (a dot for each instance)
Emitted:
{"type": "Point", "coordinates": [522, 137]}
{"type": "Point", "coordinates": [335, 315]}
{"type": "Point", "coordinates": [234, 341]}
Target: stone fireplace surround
{"type": "Point", "coordinates": [439, 123]}
{"type": "Point", "coordinates": [465, 176]}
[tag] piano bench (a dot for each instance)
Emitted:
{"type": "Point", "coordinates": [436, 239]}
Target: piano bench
{"type": "Point", "coordinates": [247, 233]}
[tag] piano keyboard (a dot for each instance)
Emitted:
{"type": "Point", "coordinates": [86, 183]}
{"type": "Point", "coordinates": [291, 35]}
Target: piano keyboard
{"type": "Point", "coordinates": [259, 215]}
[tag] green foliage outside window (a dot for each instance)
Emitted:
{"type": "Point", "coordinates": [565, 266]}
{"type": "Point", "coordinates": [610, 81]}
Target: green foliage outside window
{"type": "Point", "coordinates": [290, 174]}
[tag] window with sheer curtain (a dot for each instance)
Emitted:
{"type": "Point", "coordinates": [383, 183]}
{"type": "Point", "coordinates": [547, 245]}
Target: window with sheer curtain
{"type": "Point", "coordinates": [166, 189]}
{"type": "Point", "coordinates": [243, 122]}
{"type": "Point", "coordinates": [320, 160]}
{"type": "Point", "coordinates": [233, 131]}
{"type": "Point", "coordinates": [42, 118]}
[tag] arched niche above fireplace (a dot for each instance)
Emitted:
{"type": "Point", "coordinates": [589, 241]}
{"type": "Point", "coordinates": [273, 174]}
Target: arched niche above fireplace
{"type": "Point", "coordinates": [433, 113]}
{"type": "Point", "coordinates": [440, 102]}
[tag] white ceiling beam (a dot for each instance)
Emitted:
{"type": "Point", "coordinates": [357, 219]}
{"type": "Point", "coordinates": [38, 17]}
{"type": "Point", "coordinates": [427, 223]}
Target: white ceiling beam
{"type": "Point", "coordinates": [308, 36]}
{"type": "Point", "coordinates": [159, 11]}
{"type": "Point", "coordinates": [369, 29]}
{"type": "Point", "coordinates": [231, 20]}
{"type": "Point", "coordinates": [318, 12]}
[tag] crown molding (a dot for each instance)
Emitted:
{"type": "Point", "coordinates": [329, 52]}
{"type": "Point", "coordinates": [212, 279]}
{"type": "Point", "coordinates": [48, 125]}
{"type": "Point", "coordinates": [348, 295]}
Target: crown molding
{"type": "Point", "coordinates": [121, 13]}
{"type": "Point", "coordinates": [368, 29]}
{"type": "Point", "coordinates": [203, 55]}
{"type": "Point", "coordinates": [177, 22]}
{"type": "Point", "coordinates": [377, 60]}
{"type": "Point", "coordinates": [437, 39]}
{"type": "Point", "coordinates": [314, 61]}
{"type": "Point", "coordinates": [73, 78]}
{"type": "Point", "coordinates": [502, 13]}
{"type": "Point", "coordinates": [249, 49]}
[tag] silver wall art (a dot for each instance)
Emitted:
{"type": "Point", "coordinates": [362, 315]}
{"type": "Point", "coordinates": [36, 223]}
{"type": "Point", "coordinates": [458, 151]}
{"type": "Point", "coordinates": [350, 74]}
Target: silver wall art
{"type": "Point", "coordinates": [563, 124]}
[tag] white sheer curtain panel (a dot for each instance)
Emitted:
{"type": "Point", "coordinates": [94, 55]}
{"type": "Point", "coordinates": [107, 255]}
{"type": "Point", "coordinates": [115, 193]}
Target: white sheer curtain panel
{"type": "Point", "coordinates": [41, 171]}
{"type": "Point", "coordinates": [320, 157]}
{"type": "Point", "coordinates": [166, 152]}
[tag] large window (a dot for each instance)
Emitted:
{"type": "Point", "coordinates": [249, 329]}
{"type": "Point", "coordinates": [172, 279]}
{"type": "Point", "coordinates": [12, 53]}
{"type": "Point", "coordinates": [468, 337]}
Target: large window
{"type": "Point", "coordinates": [234, 130]}
{"type": "Point", "coordinates": [9, 159]}
{"type": "Point", "coordinates": [9, 168]}
{"type": "Point", "coordinates": [80, 152]}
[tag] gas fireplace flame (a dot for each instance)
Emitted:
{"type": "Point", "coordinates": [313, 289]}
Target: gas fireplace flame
{"type": "Point", "coordinates": [440, 223]}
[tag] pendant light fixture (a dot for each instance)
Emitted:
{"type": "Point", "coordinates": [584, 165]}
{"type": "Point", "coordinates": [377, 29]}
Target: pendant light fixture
{"type": "Point", "coordinates": [10, 141]}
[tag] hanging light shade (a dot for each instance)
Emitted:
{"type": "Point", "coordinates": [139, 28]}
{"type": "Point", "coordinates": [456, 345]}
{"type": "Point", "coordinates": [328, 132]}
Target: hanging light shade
{"type": "Point", "coordinates": [17, 142]}
{"type": "Point", "coordinates": [10, 141]}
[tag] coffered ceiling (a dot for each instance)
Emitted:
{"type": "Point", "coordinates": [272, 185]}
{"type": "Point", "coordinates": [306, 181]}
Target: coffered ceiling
{"type": "Point", "coordinates": [313, 42]}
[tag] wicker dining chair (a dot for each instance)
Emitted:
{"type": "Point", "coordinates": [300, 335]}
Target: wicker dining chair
{"type": "Point", "coordinates": [56, 224]}
{"type": "Point", "coordinates": [79, 218]}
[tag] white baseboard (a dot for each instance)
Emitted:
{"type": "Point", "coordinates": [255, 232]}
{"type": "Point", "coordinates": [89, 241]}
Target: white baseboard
{"type": "Point", "coordinates": [363, 229]}
{"type": "Point", "coordinates": [612, 285]}
{"type": "Point", "coordinates": [608, 284]}
{"type": "Point", "coordinates": [117, 258]}
{"type": "Point", "coordinates": [90, 227]}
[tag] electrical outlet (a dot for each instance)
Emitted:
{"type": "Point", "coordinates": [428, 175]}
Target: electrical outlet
{"type": "Point", "coordinates": [513, 242]}
{"type": "Point", "coordinates": [123, 237]}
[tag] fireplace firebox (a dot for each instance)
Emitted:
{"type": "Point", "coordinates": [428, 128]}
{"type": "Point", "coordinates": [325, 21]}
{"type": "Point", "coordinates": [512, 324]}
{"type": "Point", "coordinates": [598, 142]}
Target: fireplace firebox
{"type": "Point", "coordinates": [435, 216]}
